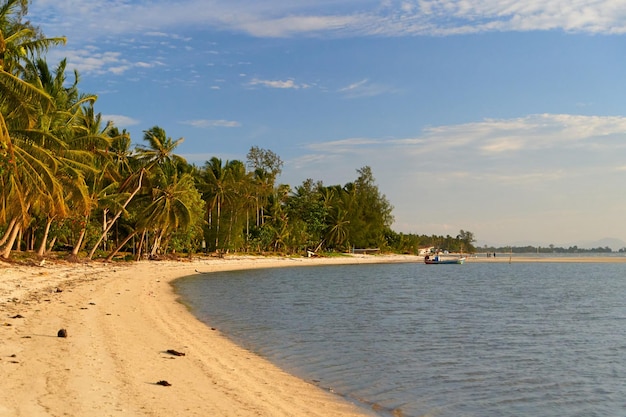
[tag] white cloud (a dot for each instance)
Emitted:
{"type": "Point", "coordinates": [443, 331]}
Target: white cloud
{"type": "Point", "coordinates": [120, 120]}
{"type": "Point", "coordinates": [341, 17]}
{"type": "Point", "coordinates": [203, 123]}
{"type": "Point", "coordinates": [487, 147]}
{"type": "Point", "coordinates": [354, 86]}
{"type": "Point", "coordinates": [90, 60]}
{"type": "Point", "coordinates": [365, 88]}
{"type": "Point", "coordinates": [287, 84]}
{"type": "Point", "coordinates": [540, 131]}
{"type": "Point", "coordinates": [292, 25]}
{"type": "Point", "coordinates": [346, 145]}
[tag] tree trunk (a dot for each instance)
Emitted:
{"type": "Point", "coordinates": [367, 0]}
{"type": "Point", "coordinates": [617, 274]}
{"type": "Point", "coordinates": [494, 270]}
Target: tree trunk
{"type": "Point", "coordinates": [120, 246]}
{"type": "Point", "coordinates": [42, 248]}
{"type": "Point", "coordinates": [217, 226]}
{"type": "Point", "coordinates": [157, 242]}
{"type": "Point", "coordinates": [6, 252]}
{"type": "Point", "coordinates": [20, 235]}
{"type": "Point", "coordinates": [79, 242]}
{"type": "Point", "coordinates": [118, 214]}
{"type": "Point", "coordinates": [138, 255]}
{"type": "Point", "coordinates": [7, 233]}
{"type": "Point", "coordinates": [54, 239]}
{"type": "Point", "coordinates": [104, 229]}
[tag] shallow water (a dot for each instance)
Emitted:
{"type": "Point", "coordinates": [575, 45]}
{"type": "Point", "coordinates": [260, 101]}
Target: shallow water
{"type": "Point", "coordinates": [447, 340]}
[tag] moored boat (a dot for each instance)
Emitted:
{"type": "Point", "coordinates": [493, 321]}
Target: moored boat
{"type": "Point", "coordinates": [436, 260]}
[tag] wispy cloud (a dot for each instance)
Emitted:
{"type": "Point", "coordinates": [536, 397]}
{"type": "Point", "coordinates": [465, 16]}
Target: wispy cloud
{"type": "Point", "coordinates": [100, 46]}
{"type": "Point", "coordinates": [90, 60]}
{"type": "Point", "coordinates": [281, 84]}
{"type": "Point", "coordinates": [204, 123]}
{"type": "Point", "coordinates": [510, 144]}
{"type": "Point", "coordinates": [339, 17]}
{"type": "Point", "coordinates": [365, 88]}
{"type": "Point", "coordinates": [533, 132]}
{"type": "Point", "coordinates": [121, 120]}
{"type": "Point", "coordinates": [346, 145]}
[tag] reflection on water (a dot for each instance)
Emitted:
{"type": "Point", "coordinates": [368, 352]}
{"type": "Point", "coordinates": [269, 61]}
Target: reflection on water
{"type": "Point", "coordinates": [455, 340]}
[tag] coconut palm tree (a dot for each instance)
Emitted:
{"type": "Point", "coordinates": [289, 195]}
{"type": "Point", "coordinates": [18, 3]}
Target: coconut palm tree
{"type": "Point", "coordinates": [173, 208]}
{"type": "Point", "coordinates": [164, 170]}
{"type": "Point", "coordinates": [213, 185]}
{"type": "Point", "coordinates": [159, 154]}
{"type": "Point", "coordinates": [19, 39]}
{"type": "Point", "coordinates": [27, 169]}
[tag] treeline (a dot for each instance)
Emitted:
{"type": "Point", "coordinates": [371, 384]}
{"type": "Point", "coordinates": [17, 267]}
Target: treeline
{"type": "Point", "coordinates": [549, 249]}
{"type": "Point", "coordinates": [72, 181]}
{"type": "Point", "coordinates": [413, 243]}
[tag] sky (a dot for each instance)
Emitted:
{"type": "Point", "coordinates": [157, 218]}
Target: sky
{"type": "Point", "coordinates": [506, 118]}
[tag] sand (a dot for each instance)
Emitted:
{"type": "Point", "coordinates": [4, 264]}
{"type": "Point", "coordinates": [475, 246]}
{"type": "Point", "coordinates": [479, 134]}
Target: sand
{"type": "Point", "coordinates": [121, 318]}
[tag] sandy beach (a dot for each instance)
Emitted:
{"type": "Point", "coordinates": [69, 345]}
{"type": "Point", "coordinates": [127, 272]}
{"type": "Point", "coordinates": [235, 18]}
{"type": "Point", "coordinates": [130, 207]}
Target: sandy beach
{"type": "Point", "coordinates": [121, 319]}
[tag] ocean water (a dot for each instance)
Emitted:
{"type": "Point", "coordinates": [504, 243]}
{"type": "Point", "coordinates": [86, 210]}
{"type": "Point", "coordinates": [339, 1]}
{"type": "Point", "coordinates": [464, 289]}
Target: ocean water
{"type": "Point", "coordinates": [536, 339]}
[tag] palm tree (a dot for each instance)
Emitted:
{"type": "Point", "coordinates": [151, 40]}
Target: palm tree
{"type": "Point", "coordinates": [159, 155]}
{"type": "Point", "coordinates": [237, 197]}
{"type": "Point", "coordinates": [66, 130]}
{"type": "Point", "coordinates": [172, 208]}
{"type": "Point", "coordinates": [20, 39]}
{"type": "Point", "coordinates": [213, 185]}
{"type": "Point", "coordinates": [163, 169]}
{"type": "Point", "coordinates": [27, 170]}
{"type": "Point", "coordinates": [338, 233]}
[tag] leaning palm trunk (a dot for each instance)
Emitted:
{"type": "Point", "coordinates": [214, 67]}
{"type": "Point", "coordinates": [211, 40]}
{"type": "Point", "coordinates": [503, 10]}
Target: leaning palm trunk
{"type": "Point", "coordinates": [140, 247]}
{"type": "Point", "coordinates": [81, 239]}
{"type": "Point", "coordinates": [79, 242]}
{"type": "Point", "coordinates": [117, 215]}
{"type": "Point", "coordinates": [6, 251]}
{"type": "Point", "coordinates": [120, 246]}
{"type": "Point", "coordinates": [54, 239]}
{"type": "Point", "coordinates": [44, 240]}
{"type": "Point", "coordinates": [7, 233]}
{"type": "Point", "coordinates": [157, 242]}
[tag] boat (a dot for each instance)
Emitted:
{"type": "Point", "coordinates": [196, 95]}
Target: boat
{"type": "Point", "coordinates": [436, 260]}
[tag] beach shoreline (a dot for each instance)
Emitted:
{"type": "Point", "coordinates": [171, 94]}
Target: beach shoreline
{"type": "Point", "coordinates": [121, 320]}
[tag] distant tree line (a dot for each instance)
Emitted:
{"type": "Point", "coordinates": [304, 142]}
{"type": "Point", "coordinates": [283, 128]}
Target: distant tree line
{"type": "Point", "coordinates": [548, 249]}
{"type": "Point", "coordinates": [463, 242]}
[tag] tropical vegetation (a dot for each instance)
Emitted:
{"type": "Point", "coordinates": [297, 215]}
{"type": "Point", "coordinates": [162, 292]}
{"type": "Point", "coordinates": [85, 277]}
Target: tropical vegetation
{"type": "Point", "coordinates": [71, 181]}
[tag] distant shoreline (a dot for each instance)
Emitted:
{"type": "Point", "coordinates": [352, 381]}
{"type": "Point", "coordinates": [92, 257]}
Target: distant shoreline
{"type": "Point", "coordinates": [527, 258]}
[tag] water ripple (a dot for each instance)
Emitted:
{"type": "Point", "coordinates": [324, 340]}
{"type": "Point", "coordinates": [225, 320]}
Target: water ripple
{"type": "Point", "coordinates": [414, 340]}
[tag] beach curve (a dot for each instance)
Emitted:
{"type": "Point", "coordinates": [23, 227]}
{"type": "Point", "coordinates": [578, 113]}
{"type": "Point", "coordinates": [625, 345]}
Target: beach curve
{"type": "Point", "coordinates": [121, 319]}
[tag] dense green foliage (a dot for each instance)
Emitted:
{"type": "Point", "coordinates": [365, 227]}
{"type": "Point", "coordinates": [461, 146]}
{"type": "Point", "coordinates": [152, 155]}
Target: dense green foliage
{"type": "Point", "coordinates": [69, 180]}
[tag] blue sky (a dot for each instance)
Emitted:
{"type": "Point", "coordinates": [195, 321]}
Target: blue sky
{"type": "Point", "coordinates": [504, 118]}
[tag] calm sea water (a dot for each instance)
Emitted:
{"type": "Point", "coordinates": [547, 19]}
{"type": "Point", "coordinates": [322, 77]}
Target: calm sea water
{"type": "Point", "coordinates": [445, 340]}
